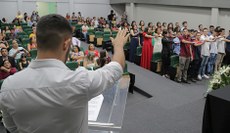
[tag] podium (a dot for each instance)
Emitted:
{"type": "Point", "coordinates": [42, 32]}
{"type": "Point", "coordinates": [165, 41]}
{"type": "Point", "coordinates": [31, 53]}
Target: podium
{"type": "Point", "coordinates": [110, 117]}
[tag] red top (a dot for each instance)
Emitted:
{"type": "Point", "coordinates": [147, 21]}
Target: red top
{"type": "Point", "coordinates": [184, 47]}
{"type": "Point", "coordinates": [4, 75]}
{"type": "Point", "coordinates": [96, 53]}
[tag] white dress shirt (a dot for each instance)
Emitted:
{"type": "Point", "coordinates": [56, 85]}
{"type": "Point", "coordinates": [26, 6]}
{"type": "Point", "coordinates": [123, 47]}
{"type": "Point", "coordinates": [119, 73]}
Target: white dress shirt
{"type": "Point", "coordinates": [205, 48]}
{"type": "Point", "coordinates": [47, 97]}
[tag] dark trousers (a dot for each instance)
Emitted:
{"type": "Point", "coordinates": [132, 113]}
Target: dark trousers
{"type": "Point", "coordinates": [226, 60]}
{"type": "Point", "coordinates": [194, 68]}
{"type": "Point", "coordinates": [165, 64]}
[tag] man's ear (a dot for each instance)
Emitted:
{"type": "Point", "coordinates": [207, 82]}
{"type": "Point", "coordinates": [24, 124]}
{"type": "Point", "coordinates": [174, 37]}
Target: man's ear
{"type": "Point", "coordinates": [67, 43]}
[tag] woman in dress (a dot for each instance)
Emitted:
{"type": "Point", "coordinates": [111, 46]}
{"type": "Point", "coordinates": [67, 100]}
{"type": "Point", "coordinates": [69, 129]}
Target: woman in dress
{"type": "Point", "coordinates": [158, 43]}
{"type": "Point", "coordinates": [141, 30]}
{"type": "Point", "coordinates": [147, 49]}
{"type": "Point", "coordinates": [134, 43]}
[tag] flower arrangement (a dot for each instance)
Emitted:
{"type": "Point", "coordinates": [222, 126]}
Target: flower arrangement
{"type": "Point", "coordinates": [220, 79]}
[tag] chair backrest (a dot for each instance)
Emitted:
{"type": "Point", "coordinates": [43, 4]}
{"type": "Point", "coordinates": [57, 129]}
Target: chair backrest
{"type": "Point", "coordinates": [25, 41]}
{"type": "Point", "coordinates": [106, 37]}
{"type": "Point", "coordinates": [156, 57]}
{"type": "Point", "coordinates": [174, 61]}
{"type": "Point", "coordinates": [126, 46]}
{"type": "Point", "coordinates": [139, 51]}
{"type": "Point", "coordinates": [72, 65]}
{"type": "Point", "coordinates": [98, 34]}
{"type": "Point", "coordinates": [107, 32]}
{"type": "Point", "coordinates": [78, 26]}
{"type": "Point", "coordinates": [33, 53]}
{"type": "Point", "coordinates": [91, 31]}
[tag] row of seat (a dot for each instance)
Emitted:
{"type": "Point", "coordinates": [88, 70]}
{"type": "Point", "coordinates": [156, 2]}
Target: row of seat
{"type": "Point", "coordinates": [155, 61]}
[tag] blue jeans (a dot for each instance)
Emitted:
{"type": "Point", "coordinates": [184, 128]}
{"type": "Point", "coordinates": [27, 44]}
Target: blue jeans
{"type": "Point", "coordinates": [203, 65]}
{"type": "Point", "coordinates": [211, 63]}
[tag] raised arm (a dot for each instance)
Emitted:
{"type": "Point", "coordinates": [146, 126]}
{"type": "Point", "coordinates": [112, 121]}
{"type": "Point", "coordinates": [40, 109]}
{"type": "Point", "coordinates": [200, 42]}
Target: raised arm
{"type": "Point", "coordinates": [118, 44]}
{"type": "Point", "coordinates": [106, 77]}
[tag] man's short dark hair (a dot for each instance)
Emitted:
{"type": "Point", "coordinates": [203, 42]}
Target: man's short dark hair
{"type": "Point", "coordinates": [184, 22]}
{"type": "Point", "coordinates": [3, 49]}
{"type": "Point", "coordinates": [51, 31]}
{"type": "Point", "coordinates": [211, 26]}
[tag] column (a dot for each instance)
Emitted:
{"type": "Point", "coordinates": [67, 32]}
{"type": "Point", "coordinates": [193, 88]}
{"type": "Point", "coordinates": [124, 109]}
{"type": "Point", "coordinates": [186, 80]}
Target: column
{"type": "Point", "coordinates": [214, 16]}
{"type": "Point", "coordinates": [132, 12]}
{"type": "Point", "coordinates": [71, 5]}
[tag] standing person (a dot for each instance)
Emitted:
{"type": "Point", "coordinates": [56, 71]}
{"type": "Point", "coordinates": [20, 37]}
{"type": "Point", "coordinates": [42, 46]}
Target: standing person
{"type": "Point", "coordinates": [227, 57]}
{"type": "Point", "coordinates": [184, 25]}
{"type": "Point", "coordinates": [147, 49]}
{"type": "Point", "coordinates": [158, 42]}
{"type": "Point", "coordinates": [213, 54]}
{"type": "Point", "coordinates": [165, 54]}
{"type": "Point", "coordinates": [134, 43]}
{"type": "Point", "coordinates": [177, 27]}
{"type": "Point", "coordinates": [51, 89]}
{"type": "Point", "coordinates": [205, 53]}
{"type": "Point", "coordinates": [196, 57]}
{"type": "Point", "coordinates": [176, 44]}
{"type": "Point", "coordinates": [211, 30]}
{"type": "Point", "coordinates": [220, 48]}
{"type": "Point", "coordinates": [185, 56]}
{"type": "Point", "coordinates": [141, 30]}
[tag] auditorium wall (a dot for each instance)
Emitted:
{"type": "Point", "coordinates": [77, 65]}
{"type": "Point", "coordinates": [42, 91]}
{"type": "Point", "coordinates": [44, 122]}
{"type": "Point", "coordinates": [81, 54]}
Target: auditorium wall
{"type": "Point", "coordinates": [9, 8]}
{"type": "Point", "coordinates": [165, 13]}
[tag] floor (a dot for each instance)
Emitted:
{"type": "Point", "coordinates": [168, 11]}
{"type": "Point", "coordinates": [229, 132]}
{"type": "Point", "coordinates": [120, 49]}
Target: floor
{"type": "Point", "coordinates": [174, 107]}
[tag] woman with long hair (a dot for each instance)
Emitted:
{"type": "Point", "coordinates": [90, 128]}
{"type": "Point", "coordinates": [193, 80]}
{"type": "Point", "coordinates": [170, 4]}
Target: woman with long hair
{"type": "Point", "coordinates": [147, 49]}
{"type": "Point", "coordinates": [134, 43]}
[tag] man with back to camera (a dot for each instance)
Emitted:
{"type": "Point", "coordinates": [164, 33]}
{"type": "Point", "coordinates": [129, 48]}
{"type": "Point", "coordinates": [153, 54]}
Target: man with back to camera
{"type": "Point", "coordinates": [47, 97]}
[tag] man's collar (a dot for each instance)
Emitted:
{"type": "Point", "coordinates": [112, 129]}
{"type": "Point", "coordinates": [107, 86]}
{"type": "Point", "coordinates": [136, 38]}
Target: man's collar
{"type": "Point", "coordinates": [39, 63]}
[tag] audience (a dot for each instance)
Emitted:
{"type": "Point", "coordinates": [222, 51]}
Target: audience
{"type": "Point", "coordinates": [77, 54]}
{"type": "Point", "coordinates": [103, 59]}
{"type": "Point", "coordinates": [91, 50]}
{"type": "Point", "coordinates": [32, 44]}
{"type": "Point", "coordinates": [4, 57]}
{"type": "Point", "coordinates": [201, 51]}
{"type": "Point", "coordinates": [8, 70]}
{"type": "Point", "coordinates": [17, 51]}
{"type": "Point", "coordinates": [23, 63]}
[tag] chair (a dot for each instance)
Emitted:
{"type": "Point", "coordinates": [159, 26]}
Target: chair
{"type": "Point", "coordinates": [174, 66]}
{"type": "Point", "coordinates": [138, 55]}
{"type": "Point", "coordinates": [25, 41]}
{"type": "Point", "coordinates": [114, 32]}
{"type": "Point", "coordinates": [106, 43]}
{"type": "Point", "coordinates": [156, 62]}
{"type": "Point", "coordinates": [72, 65]}
{"type": "Point", "coordinates": [91, 36]}
{"type": "Point", "coordinates": [107, 32]}
{"type": "Point", "coordinates": [33, 53]}
{"type": "Point", "coordinates": [98, 38]}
